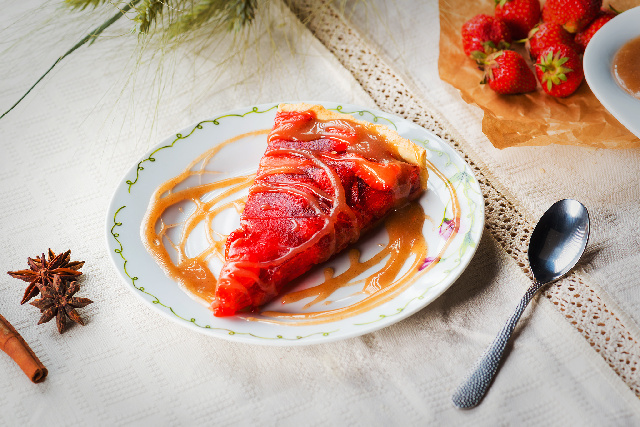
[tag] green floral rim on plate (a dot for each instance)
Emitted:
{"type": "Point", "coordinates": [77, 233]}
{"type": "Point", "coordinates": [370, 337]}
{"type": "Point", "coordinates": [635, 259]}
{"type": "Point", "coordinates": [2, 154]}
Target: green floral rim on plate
{"type": "Point", "coordinates": [459, 175]}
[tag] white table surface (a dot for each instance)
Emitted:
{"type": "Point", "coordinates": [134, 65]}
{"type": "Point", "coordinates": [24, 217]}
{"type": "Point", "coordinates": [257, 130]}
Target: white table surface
{"type": "Point", "coordinates": [67, 146]}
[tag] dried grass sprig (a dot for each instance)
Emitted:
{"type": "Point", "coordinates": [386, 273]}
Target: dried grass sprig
{"type": "Point", "coordinates": [240, 13]}
{"type": "Point", "coordinates": [83, 4]}
{"type": "Point", "coordinates": [148, 12]}
{"type": "Point", "coordinates": [172, 20]}
{"type": "Point", "coordinates": [190, 15]}
{"type": "Point", "coordinates": [89, 38]}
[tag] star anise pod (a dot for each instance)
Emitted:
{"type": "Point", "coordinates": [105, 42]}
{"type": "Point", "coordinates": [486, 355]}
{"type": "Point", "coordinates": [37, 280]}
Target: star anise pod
{"type": "Point", "coordinates": [58, 301]}
{"type": "Point", "coordinates": [42, 271]}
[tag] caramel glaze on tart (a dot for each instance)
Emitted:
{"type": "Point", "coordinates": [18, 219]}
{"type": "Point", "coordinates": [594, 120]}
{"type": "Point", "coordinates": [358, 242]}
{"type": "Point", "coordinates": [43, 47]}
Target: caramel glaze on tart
{"type": "Point", "coordinates": [324, 179]}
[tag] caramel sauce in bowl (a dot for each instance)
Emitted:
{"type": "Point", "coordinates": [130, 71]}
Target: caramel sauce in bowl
{"type": "Point", "coordinates": [626, 67]}
{"type": "Point", "coordinates": [169, 218]}
{"type": "Point", "coordinates": [612, 68]}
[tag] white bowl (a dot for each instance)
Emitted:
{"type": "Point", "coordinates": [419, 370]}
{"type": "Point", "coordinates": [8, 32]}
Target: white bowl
{"type": "Point", "coordinates": [598, 59]}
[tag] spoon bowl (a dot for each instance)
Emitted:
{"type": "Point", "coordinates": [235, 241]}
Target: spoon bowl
{"type": "Point", "coordinates": [558, 241]}
{"type": "Point", "coordinates": [556, 245]}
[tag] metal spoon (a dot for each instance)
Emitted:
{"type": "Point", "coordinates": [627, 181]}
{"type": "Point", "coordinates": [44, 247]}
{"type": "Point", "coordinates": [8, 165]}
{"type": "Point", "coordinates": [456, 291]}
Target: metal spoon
{"type": "Point", "coordinates": [556, 245]}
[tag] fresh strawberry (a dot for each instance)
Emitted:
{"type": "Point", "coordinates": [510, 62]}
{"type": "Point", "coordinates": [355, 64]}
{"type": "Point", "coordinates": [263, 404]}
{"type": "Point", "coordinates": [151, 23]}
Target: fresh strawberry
{"type": "Point", "coordinates": [519, 15]}
{"type": "Point", "coordinates": [484, 34]}
{"type": "Point", "coordinates": [573, 15]}
{"type": "Point", "coordinates": [548, 34]}
{"type": "Point", "coordinates": [584, 37]}
{"type": "Point", "coordinates": [507, 73]}
{"type": "Point", "coordinates": [559, 70]}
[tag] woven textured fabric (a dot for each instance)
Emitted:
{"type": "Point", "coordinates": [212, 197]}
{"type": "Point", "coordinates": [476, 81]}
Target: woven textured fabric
{"type": "Point", "coordinates": [573, 296]}
{"type": "Point", "coordinates": [69, 144]}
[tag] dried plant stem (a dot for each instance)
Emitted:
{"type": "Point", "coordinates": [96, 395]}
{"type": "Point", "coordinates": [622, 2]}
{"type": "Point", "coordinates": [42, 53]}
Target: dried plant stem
{"type": "Point", "coordinates": [91, 37]}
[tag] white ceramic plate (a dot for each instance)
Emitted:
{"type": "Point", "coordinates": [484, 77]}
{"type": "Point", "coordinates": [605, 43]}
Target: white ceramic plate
{"type": "Point", "coordinates": [598, 59]}
{"type": "Point", "coordinates": [147, 281]}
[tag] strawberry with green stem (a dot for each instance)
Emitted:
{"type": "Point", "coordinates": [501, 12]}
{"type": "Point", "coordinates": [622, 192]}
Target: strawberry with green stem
{"type": "Point", "coordinates": [484, 34]}
{"type": "Point", "coordinates": [507, 73]}
{"type": "Point", "coordinates": [559, 70]}
{"type": "Point", "coordinates": [548, 34]}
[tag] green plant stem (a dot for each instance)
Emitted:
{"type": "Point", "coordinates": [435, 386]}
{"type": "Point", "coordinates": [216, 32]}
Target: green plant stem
{"type": "Point", "coordinates": [92, 36]}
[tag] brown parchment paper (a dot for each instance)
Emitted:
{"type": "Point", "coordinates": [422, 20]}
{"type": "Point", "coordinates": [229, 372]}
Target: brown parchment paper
{"type": "Point", "coordinates": [528, 119]}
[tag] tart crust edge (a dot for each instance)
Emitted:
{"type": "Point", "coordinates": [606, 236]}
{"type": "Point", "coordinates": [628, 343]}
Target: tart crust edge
{"type": "Point", "coordinates": [401, 148]}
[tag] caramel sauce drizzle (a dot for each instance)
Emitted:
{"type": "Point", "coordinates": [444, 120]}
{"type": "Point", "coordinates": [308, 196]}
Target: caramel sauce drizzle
{"type": "Point", "coordinates": [192, 273]}
{"type": "Point", "coordinates": [406, 240]}
{"type": "Point", "coordinates": [398, 260]}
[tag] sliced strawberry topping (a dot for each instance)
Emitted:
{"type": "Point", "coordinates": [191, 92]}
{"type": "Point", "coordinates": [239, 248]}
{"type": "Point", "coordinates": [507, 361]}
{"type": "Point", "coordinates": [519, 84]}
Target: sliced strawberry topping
{"type": "Point", "coordinates": [293, 118]}
{"type": "Point", "coordinates": [317, 188]}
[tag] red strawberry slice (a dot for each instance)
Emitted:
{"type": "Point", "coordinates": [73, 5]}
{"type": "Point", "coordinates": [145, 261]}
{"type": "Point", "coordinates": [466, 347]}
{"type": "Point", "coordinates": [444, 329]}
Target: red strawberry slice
{"type": "Point", "coordinates": [507, 73]}
{"type": "Point", "coordinates": [519, 15]}
{"type": "Point", "coordinates": [573, 15]}
{"type": "Point", "coordinates": [559, 70]}
{"type": "Point", "coordinates": [484, 34]}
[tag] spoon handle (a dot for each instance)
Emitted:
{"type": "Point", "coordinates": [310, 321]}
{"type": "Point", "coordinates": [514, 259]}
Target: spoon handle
{"type": "Point", "coordinates": [475, 386]}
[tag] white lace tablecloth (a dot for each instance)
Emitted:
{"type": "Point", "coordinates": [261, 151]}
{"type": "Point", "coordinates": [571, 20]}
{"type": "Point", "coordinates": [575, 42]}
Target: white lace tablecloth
{"type": "Point", "coordinates": [66, 147]}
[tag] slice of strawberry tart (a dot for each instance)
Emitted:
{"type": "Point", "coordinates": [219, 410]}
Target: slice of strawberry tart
{"type": "Point", "coordinates": [324, 179]}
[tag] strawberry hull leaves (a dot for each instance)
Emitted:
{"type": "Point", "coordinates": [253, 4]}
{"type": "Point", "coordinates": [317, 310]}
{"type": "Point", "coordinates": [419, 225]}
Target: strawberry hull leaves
{"type": "Point", "coordinates": [559, 70]}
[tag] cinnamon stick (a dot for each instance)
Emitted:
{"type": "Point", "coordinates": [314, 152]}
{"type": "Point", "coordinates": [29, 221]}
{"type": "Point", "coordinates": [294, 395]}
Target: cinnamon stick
{"type": "Point", "coordinates": [12, 343]}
